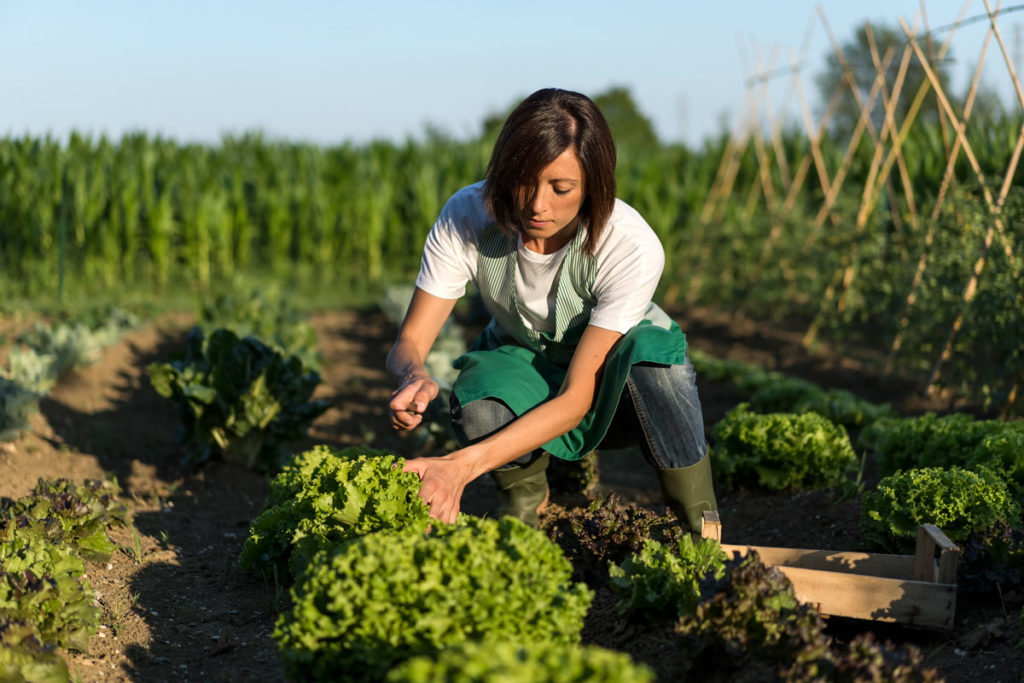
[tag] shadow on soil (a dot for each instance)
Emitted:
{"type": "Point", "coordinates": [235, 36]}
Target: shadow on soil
{"type": "Point", "coordinates": [208, 621]}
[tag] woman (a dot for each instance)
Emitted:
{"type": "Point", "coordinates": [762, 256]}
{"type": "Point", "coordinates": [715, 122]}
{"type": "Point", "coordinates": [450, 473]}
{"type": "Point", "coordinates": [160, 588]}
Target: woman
{"type": "Point", "coordinates": [567, 272]}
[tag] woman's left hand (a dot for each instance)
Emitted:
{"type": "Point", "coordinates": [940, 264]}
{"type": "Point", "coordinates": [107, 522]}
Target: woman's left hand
{"type": "Point", "coordinates": [444, 479]}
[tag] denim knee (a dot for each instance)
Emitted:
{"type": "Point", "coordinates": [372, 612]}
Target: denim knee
{"type": "Point", "coordinates": [478, 419]}
{"type": "Point", "coordinates": [668, 412]}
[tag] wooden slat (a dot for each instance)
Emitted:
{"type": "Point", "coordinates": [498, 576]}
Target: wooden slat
{"type": "Point", "coordinates": [857, 563]}
{"type": "Point", "coordinates": [924, 556]}
{"type": "Point", "coordinates": [918, 603]}
{"type": "Point", "coordinates": [711, 526]}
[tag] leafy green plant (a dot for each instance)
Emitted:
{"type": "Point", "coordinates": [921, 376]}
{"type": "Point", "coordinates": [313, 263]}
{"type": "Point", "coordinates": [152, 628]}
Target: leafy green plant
{"type": "Point", "coordinates": [747, 377]}
{"type": "Point", "coordinates": [42, 583]}
{"type": "Point", "coordinates": [749, 624]}
{"type": "Point", "coordinates": [267, 315]}
{"type": "Point", "coordinates": [16, 405]}
{"type": "Point", "coordinates": [664, 578]}
{"type": "Point", "coordinates": [927, 441]}
{"type": "Point", "coordinates": [793, 395]}
{"type": "Point", "coordinates": [384, 597]}
{"type": "Point", "coordinates": [958, 501]}
{"type": "Point", "coordinates": [82, 514]}
{"type": "Point", "coordinates": [238, 397]}
{"type": "Point", "coordinates": [538, 662]}
{"type": "Point", "coordinates": [1003, 453]}
{"type": "Point", "coordinates": [780, 451]}
{"type": "Point", "coordinates": [325, 496]}
{"type": "Point", "coordinates": [606, 531]}
{"type": "Point", "coordinates": [24, 659]}
{"type": "Point", "coordinates": [992, 560]}
{"type": "Point", "coordinates": [575, 476]}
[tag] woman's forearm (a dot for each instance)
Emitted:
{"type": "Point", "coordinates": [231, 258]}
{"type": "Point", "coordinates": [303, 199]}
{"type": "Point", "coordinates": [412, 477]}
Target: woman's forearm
{"type": "Point", "coordinates": [405, 361]}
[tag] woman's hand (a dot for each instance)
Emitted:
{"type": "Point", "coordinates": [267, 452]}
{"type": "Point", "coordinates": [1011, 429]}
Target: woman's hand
{"type": "Point", "coordinates": [444, 479]}
{"type": "Point", "coordinates": [409, 401]}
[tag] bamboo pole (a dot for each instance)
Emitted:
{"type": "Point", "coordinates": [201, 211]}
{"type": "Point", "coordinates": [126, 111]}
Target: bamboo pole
{"type": "Point", "coordinates": [918, 102]}
{"type": "Point", "coordinates": [843, 275]}
{"type": "Point", "coordinates": [947, 178]}
{"type": "Point", "coordinates": [994, 208]}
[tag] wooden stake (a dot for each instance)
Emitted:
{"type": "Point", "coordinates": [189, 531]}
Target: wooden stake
{"type": "Point", "coordinates": [947, 178]}
{"type": "Point", "coordinates": [994, 209]}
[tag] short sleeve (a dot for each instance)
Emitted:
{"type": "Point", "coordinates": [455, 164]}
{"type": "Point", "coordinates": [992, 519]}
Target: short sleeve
{"type": "Point", "coordinates": [630, 261]}
{"type": "Point", "coordinates": [449, 253]}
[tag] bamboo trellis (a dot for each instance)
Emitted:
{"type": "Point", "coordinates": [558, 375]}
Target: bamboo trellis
{"type": "Point", "coordinates": [888, 172]}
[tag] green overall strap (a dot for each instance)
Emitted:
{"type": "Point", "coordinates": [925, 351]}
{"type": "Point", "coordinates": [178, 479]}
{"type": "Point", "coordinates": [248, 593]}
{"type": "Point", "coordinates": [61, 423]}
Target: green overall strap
{"type": "Point", "coordinates": [574, 300]}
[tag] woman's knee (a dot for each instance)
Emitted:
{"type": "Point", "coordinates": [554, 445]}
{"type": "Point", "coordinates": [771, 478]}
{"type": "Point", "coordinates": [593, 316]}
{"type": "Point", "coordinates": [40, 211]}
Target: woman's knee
{"type": "Point", "coordinates": [478, 419]}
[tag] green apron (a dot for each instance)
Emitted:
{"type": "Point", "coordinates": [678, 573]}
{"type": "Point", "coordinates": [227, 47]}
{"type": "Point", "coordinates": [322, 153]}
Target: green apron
{"type": "Point", "coordinates": [524, 368]}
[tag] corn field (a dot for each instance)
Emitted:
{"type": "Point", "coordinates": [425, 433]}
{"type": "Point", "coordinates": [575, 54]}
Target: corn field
{"type": "Point", "coordinates": [153, 215]}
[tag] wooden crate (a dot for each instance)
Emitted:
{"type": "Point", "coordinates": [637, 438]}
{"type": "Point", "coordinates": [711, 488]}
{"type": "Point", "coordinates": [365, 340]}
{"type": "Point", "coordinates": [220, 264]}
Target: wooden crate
{"type": "Point", "coordinates": [918, 589]}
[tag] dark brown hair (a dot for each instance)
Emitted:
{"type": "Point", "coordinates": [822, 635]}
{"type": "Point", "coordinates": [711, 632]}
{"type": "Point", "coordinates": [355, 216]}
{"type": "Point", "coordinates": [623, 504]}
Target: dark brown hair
{"type": "Point", "coordinates": [537, 131]}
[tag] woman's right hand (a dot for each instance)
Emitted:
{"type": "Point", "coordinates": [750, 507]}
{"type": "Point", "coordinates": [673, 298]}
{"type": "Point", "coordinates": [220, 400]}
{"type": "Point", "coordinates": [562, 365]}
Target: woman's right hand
{"type": "Point", "coordinates": [409, 401]}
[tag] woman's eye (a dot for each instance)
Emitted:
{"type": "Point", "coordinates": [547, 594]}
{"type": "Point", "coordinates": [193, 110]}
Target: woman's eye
{"type": "Point", "coordinates": [558, 191]}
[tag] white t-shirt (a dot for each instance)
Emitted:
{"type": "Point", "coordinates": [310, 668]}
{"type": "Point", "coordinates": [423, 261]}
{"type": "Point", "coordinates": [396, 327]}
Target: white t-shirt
{"type": "Point", "coordinates": [629, 255]}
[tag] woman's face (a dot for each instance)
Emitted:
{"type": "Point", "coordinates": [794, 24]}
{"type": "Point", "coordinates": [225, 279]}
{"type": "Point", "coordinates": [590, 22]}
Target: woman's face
{"type": "Point", "coordinates": [549, 220]}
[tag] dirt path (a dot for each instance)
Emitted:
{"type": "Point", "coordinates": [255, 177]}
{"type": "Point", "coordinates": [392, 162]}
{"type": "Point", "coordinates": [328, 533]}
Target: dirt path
{"type": "Point", "coordinates": [174, 607]}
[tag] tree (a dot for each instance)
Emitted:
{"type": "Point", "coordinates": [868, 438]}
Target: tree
{"type": "Point", "coordinates": [858, 56]}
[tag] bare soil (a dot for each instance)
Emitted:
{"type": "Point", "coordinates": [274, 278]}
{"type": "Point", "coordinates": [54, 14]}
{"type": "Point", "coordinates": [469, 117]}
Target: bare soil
{"type": "Point", "coordinates": [175, 607]}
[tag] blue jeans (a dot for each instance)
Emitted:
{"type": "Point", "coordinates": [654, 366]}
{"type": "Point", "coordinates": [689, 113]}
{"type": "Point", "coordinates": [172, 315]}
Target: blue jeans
{"type": "Point", "coordinates": [659, 411]}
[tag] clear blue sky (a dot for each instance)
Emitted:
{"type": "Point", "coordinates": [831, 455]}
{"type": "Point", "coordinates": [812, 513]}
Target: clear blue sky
{"type": "Point", "coordinates": [331, 71]}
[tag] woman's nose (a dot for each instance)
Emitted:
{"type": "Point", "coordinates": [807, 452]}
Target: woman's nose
{"type": "Point", "coordinates": [539, 202]}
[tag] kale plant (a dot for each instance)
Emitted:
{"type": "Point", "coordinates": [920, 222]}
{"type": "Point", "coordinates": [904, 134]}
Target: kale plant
{"type": "Point", "coordinates": [267, 315]}
{"type": "Point", "coordinates": [238, 397]}
{"type": "Point", "coordinates": [607, 531]}
{"type": "Point", "coordinates": [664, 578]}
{"type": "Point", "coordinates": [958, 501]}
{"type": "Point", "coordinates": [781, 451]}
{"type": "Point", "coordinates": [382, 598]}
{"type": "Point", "coordinates": [325, 496]}
{"type": "Point", "coordinates": [537, 662]}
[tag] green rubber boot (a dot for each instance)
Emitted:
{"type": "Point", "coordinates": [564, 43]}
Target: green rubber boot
{"type": "Point", "coordinates": [522, 491]}
{"type": "Point", "coordinates": [689, 492]}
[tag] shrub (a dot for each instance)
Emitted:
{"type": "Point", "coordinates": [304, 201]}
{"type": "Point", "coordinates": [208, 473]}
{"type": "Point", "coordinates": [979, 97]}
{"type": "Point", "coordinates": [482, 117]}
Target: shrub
{"type": "Point", "coordinates": [238, 397]}
{"type": "Point", "coordinates": [325, 496]}
{"type": "Point", "coordinates": [665, 578]}
{"type": "Point", "coordinates": [779, 451]}
{"type": "Point", "coordinates": [956, 500]}
{"type": "Point", "coordinates": [538, 662]}
{"type": "Point", "coordinates": [387, 596]}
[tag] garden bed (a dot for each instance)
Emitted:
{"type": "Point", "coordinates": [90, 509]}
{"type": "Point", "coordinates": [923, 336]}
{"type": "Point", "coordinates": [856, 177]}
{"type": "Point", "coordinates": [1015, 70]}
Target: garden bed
{"type": "Point", "coordinates": [175, 607]}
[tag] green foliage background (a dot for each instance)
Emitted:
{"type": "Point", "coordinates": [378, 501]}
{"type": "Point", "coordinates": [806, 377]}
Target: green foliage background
{"type": "Point", "coordinates": [146, 215]}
